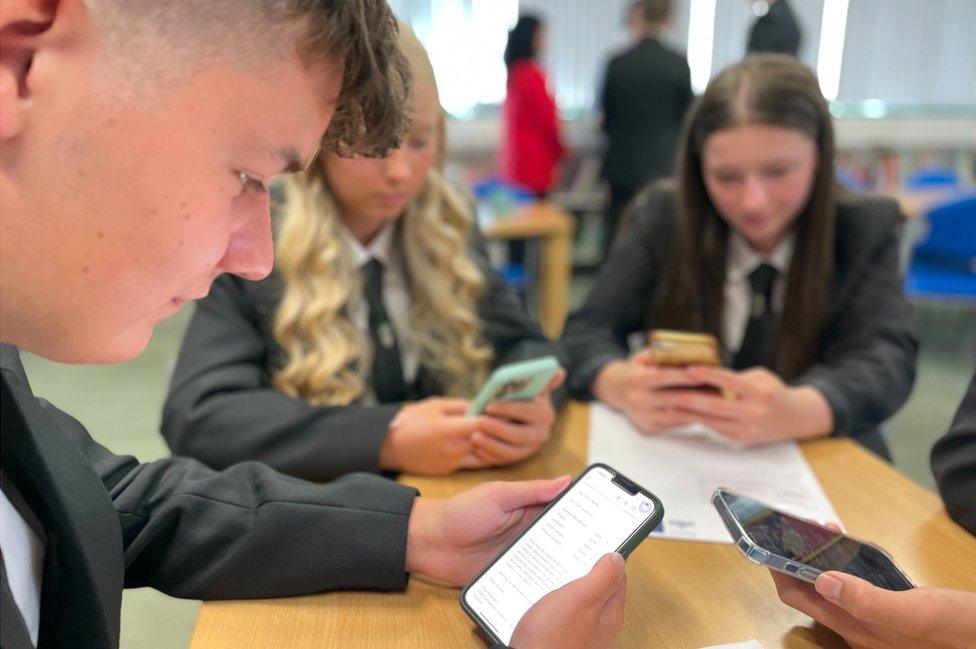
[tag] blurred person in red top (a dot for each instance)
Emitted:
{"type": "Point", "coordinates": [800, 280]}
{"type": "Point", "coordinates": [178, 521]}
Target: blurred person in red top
{"type": "Point", "coordinates": [531, 145]}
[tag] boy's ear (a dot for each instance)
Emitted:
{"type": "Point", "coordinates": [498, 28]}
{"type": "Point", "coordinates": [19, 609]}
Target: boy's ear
{"type": "Point", "coordinates": [25, 29]}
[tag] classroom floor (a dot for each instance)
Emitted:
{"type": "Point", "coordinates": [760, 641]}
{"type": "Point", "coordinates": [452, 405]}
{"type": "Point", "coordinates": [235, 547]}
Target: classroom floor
{"type": "Point", "coordinates": [121, 404]}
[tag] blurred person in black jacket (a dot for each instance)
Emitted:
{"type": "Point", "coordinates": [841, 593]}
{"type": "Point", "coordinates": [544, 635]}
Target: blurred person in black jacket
{"type": "Point", "coordinates": [775, 31]}
{"type": "Point", "coordinates": [645, 93]}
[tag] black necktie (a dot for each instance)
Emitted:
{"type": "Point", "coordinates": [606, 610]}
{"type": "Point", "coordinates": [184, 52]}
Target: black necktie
{"type": "Point", "coordinates": [387, 374]}
{"type": "Point", "coordinates": [761, 328]}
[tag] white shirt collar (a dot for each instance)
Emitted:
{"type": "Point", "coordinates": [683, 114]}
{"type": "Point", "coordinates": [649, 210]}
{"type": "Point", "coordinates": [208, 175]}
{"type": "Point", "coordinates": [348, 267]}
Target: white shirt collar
{"type": "Point", "coordinates": [380, 248]}
{"type": "Point", "coordinates": [743, 259]}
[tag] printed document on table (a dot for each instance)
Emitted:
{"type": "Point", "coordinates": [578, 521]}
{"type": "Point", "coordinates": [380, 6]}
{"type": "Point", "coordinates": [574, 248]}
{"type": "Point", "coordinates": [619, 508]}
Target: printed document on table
{"type": "Point", "coordinates": [684, 471]}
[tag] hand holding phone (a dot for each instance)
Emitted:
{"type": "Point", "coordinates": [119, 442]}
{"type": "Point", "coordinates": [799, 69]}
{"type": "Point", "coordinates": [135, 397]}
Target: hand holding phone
{"type": "Point", "coordinates": [522, 381]}
{"type": "Point", "coordinates": [431, 437]}
{"type": "Point", "coordinates": [683, 349]}
{"type": "Point", "coordinates": [601, 511]}
{"type": "Point", "coordinates": [865, 615]}
{"type": "Point", "coordinates": [800, 548]}
{"type": "Point", "coordinates": [586, 612]}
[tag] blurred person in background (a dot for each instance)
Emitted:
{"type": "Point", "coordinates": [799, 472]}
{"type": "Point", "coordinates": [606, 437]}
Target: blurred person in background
{"type": "Point", "coordinates": [645, 93]}
{"type": "Point", "coordinates": [776, 29]}
{"type": "Point", "coordinates": [531, 146]}
{"type": "Point", "coordinates": [755, 244]}
{"type": "Point", "coordinates": [531, 143]}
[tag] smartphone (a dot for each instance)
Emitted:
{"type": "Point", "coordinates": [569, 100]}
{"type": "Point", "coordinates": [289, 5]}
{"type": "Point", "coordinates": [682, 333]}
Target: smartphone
{"type": "Point", "coordinates": [522, 381]}
{"type": "Point", "coordinates": [684, 348]}
{"type": "Point", "coordinates": [800, 548]}
{"type": "Point", "coordinates": [600, 512]}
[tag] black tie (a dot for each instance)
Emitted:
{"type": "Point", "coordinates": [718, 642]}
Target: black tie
{"type": "Point", "coordinates": [758, 339]}
{"type": "Point", "coordinates": [387, 374]}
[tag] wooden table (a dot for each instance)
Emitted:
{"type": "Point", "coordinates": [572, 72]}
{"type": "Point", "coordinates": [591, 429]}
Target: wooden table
{"type": "Point", "coordinates": [679, 594]}
{"type": "Point", "coordinates": [554, 228]}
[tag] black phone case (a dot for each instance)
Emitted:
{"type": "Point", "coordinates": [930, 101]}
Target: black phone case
{"type": "Point", "coordinates": [635, 539]}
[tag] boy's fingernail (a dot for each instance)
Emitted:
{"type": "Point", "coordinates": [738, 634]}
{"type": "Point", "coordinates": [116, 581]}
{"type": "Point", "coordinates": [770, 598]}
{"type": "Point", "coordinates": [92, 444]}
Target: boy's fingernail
{"type": "Point", "coordinates": [829, 586]}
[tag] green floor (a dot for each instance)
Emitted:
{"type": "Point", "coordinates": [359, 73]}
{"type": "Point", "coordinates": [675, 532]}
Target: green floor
{"type": "Point", "coordinates": [121, 406]}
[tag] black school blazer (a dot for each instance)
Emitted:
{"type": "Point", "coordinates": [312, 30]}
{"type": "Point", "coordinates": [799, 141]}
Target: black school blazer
{"type": "Point", "coordinates": [865, 365]}
{"type": "Point", "coordinates": [222, 407]}
{"type": "Point", "coordinates": [110, 523]}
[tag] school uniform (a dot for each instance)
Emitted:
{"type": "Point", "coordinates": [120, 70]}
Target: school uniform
{"type": "Point", "coordinates": [865, 363]}
{"type": "Point", "coordinates": [81, 523]}
{"type": "Point", "coordinates": [646, 91]}
{"type": "Point", "coordinates": [222, 407]}
{"type": "Point", "coordinates": [954, 463]}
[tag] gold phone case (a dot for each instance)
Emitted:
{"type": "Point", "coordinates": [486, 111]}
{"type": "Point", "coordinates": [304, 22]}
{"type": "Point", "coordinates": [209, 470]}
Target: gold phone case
{"type": "Point", "coordinates": [683, 348]}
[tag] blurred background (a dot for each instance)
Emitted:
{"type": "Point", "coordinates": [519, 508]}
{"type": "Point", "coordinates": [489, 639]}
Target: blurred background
{"type": "Point", "coordinates": [901, 81]}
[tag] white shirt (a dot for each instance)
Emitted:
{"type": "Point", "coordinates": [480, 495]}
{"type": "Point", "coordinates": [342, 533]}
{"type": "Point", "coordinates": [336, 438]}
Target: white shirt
{"type": "Point", "coordinates": [23, 559]}
{"type": "Point", "coordinates": [396, 299]}
{"type": "Point", "coordinates": [741, 260]}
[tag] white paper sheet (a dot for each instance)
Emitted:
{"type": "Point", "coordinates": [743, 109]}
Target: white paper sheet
{"type": "Point", "coordinates": [747, 644]}
{"type": "Point", "coordinates": [684, 471]}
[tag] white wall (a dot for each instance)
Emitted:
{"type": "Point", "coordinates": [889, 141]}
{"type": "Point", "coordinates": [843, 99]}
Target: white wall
{"type": "Point", "coordinates": [900, 51]}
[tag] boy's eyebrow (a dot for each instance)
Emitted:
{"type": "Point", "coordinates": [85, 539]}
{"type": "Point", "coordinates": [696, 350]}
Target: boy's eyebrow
{"type": "Point", "coordinates": [292, 161]}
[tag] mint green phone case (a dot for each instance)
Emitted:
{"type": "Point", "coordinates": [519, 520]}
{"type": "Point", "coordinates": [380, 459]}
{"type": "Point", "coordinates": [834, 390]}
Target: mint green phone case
{"type": "Point", "coordinates": [521, 381]}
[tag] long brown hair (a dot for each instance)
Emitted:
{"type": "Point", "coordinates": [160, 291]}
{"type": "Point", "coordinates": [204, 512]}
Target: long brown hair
{"type": "Point", "coordinates": [770, 89]}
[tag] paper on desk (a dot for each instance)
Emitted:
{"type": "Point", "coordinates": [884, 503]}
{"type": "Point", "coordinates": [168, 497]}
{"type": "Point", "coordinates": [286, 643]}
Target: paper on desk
{"type": "Point", "coordinates": [747, 644]}
{"type": "Point", "coordinates": [684, 471]}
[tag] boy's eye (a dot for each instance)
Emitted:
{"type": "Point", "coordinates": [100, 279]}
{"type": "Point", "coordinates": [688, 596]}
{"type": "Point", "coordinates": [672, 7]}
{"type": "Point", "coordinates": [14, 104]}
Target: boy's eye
{"type": "Point", "coordinates": [250, 183]}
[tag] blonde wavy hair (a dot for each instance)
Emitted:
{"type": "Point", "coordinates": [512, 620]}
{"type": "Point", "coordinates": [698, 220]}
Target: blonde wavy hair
{"type": "Point", "coordinates": [322, 284]}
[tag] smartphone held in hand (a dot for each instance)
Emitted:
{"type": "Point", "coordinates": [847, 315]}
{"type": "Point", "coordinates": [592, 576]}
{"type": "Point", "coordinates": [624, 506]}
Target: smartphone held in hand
{"type": "Point", "coordinates": [600, 512]}
{"type": "Point", "coordinates": [522, 381]}
{"type": "Point", "coordinates": [801, 548]}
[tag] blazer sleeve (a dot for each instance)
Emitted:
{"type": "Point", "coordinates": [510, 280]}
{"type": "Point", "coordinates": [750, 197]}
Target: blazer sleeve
{"type": "Point", "coordinates": [616, 306]}
{"type": "Point", "coordinates": [868, 351]}
{"type": "Point", "coordinates": [222, 408]}
{"type": "Point", "coordinates": [513, 334]}
{"type": "Point", "coordinates": [954, 463]}
{"type": "Point", "coordinates": [248, 531]}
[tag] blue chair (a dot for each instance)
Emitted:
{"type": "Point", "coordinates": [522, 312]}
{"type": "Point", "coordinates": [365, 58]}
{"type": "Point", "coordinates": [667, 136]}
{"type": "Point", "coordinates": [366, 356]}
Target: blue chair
{"type": "Point", "coordinates": [944, 262]}
{"type": "Point", "coordinates": [932, 178]}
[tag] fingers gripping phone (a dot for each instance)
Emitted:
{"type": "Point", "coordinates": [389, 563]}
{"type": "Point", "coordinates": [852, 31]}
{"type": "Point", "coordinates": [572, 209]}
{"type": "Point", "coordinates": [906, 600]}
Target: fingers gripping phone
{"type": "Point", "coordinates": [800, 548]}
{"type": "Point", "coordinates": [600, 512]}
{"type": "Point", "coordinates": [521, 381]}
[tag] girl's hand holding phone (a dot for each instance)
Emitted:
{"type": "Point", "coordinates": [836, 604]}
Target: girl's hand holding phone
{"type": "Point", "coordinates": [765, 409]}
{"type": "Point", "coordinates": [644, 391]}
{"type": "Point", "coordinates": [432, 437]}
{"type": "Point", "coordinates": [511, 431]}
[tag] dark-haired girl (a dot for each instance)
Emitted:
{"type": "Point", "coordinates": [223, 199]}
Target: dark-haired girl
{"type": "Point", "coordinates": [755, 243]}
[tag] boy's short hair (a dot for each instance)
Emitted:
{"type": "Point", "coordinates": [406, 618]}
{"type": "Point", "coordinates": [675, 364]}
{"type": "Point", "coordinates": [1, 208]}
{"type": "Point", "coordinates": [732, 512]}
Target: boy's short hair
{"type": "Point", "coordinates": [160, 39]}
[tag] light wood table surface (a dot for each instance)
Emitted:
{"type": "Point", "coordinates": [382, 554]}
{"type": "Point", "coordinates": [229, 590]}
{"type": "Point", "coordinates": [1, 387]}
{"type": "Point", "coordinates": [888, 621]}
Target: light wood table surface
{"type": "Point", "coordinates": [546, 221]}
{"type": "Point", "coordinates": [679, 594]}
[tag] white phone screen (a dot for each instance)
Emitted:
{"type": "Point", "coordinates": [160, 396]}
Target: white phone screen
{"type": "Point", "coordinates": [593, 518]}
